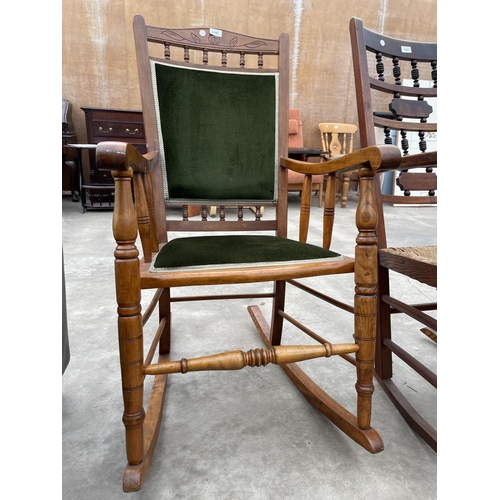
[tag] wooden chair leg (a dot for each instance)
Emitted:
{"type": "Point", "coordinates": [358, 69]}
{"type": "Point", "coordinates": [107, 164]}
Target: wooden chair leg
{"type": "Point", "coordinates": [345, 189]}
{"type": "Point", "coordinates": [134, 475]}
{"type": "Point", "coordinates": [141, 428]}
{"type": "Point", "coordinates": [320, 195]}
{"type": "Point", "coordinates": [365, 298]}
{"type": "Point", "coordinates": [128, 297]}
{"type": "Point", "coordinates": [131, 359]}
{"type": "Point", "coordinates": [277, 319]}
{"type": "Point", "coordinates": [165, 312]}
{"type": "Point", "coordinates": [383, 357]}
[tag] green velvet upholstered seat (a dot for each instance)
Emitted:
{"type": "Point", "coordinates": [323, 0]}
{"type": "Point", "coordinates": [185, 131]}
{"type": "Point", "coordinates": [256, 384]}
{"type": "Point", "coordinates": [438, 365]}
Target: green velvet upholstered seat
{"type": "Point", "coordinates": [212, 252]}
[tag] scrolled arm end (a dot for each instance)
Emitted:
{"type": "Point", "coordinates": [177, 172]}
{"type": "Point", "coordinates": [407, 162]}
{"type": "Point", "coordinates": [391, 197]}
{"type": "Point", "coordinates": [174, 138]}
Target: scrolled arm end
{"type": "Point", "coordinates": [111, 155]}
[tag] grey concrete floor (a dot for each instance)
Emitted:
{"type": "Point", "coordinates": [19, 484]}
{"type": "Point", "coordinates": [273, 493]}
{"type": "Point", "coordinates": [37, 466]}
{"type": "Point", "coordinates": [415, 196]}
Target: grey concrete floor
{"type": "Point", "coordinates": [248, 434]}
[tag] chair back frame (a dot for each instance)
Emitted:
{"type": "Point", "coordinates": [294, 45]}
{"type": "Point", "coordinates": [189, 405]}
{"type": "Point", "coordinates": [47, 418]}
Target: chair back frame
{"type": "Point", "coordinates": [419, 60]}
{"type": "Point", "coordinates": [251, 53]}
{"type": "Point", "coordinates": [364, 40]}
{"type": "Point", "coordinates": [331, 141]}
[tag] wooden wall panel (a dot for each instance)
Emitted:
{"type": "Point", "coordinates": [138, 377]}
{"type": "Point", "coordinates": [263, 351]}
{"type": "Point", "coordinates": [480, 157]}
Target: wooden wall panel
{"type": "Point", "coordinates": [98, 55]}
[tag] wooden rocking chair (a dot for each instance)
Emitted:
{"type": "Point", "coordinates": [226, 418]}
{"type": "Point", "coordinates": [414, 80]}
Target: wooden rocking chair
{"type": "Point", "coordinates": [409, 113]}
{"type": "Point", "coordinates": [212, 84]}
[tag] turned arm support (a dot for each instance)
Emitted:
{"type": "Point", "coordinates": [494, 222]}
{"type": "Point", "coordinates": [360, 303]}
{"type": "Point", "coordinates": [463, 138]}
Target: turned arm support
{"type": "Point", "coordinates": [236, 360]}
{"type": "Point", "coordinates": [123, 159]}
{"type": "Point", "coordinates": [374, 157]}
{"type": "Point", "coordinates": [119, 156]}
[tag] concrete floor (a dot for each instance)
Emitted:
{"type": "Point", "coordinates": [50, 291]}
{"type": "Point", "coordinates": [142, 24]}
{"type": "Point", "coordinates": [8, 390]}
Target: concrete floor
{"type": "Point", "coordinates": [248, 434]}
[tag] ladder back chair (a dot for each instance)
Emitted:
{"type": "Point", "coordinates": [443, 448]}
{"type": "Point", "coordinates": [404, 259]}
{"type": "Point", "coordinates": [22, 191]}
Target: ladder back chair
{"type": "Point", "coordinates": [212, 84]}
{"type": "Point", "coordinates": [338, 139]}
{"type": "Point", "coordinates": [396, 83]}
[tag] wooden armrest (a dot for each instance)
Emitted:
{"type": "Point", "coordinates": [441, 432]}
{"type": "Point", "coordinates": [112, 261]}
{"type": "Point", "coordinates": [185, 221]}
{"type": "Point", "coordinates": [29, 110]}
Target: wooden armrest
{"type": "Point", "coordinates": [419, 160]}
{"type": "Point", "coordinates": [113, 155]}
{"type": "Point", "coordinates": [386, 157]}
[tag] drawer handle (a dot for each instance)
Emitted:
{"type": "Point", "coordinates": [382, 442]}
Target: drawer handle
{"type": "Point", "coordinates": [131, 133]}
{"type": "Point", "coordinates": [105, 131]}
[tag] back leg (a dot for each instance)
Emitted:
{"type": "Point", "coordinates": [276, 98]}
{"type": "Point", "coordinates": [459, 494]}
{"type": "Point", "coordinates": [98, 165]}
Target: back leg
{"type": "Point", "coordinates": [165, 312]}
{"type": "Point", "coordinates": [277, 319]}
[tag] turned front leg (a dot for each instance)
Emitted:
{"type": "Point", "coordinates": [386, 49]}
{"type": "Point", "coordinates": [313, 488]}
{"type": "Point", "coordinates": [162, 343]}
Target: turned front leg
{"type": "Point", "coordinates": [128, 297]}
{"type": "Point", "coordinates": [365, 300]}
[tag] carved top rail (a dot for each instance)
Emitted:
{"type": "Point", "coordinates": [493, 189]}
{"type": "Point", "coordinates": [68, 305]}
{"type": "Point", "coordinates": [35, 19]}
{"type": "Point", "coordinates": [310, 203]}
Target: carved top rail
{"type": "Point", "coordinates": [205, 40]}
{"type": "Point", "coordinates": [213, 40]}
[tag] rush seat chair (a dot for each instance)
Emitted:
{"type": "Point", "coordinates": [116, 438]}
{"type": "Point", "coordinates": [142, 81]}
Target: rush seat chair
{"type": "Point", "coordinates": [396, 90]}
{"type": "Point", "coordinates": [213, 84]}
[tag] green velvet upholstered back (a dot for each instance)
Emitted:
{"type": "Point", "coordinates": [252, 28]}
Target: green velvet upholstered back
{"type": "Point", "coordinates": [218, 133]}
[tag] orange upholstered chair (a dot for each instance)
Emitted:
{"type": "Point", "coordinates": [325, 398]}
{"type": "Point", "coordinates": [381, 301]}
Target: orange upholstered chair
{"type": "Point", "coordinates": [296, 140]}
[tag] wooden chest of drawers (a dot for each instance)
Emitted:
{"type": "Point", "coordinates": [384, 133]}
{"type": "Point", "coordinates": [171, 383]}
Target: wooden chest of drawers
{"type": "Point", "coordinates": [69, 175]}
{"type": "Point", "coordinates": [105, 124]}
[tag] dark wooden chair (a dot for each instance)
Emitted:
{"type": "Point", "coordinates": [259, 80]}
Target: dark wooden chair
{"type": "Point", "coordinates": [212, 84]}
{"type": "Point", "coordinates": [380, 66]}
